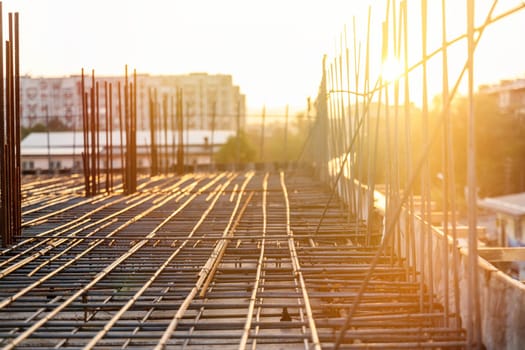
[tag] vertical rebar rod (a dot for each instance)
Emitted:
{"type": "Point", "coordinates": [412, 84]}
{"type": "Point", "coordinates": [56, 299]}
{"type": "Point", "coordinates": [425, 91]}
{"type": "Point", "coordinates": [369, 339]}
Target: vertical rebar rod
{"type": "Point", "coordinates": [332, 159]}
{"type": "Point", "coordinates": [474, 322]}
{"type": "Point", "coordinates": [92, 124]}
{"type": "Point", "coordinates": [121, 127]}
{"type": "Point", "coordinates": [111, 137]}
{"type": "Point", "coordinates": [180, 130]}
{"type": "Point", "coordinates": [396, 42]}
{"type": "Point", "coordinates": [85, 133]}
{"type": "Point", "coordinates": [286, 137]}
{"type": "Point", "coordinates": [7, 151]}
{"type": "Point", "coordinates": [165, 127]}
{"type": "Point", "coordinates": [152, 93]}
{"type": "Point", "coordinates": [10, 131]}
{"type": "Point", "coordinates": [353, 123]}
{"type": "Point", "coordinates": [345, 138]}
{"type": "Point", "coordinates": [238, 138]}
{"type": "Point", "coordinates": [336, 121]}
{"type": "Point", "coordinates": [127, 131]}
{"type": "Point", "coordinates": [364, 114]}
{"type": "Point", "coordinates": [212, 140]}
{"type": "Point", "coordinates": [351, 200]}
{"type": "Point", "coordinates": [48, 140]}
{"type": "Point", "coordinates": [425, 200]}
{"type": "Point", "coordinates": [410, 247]}
{"type": "Point", "coordinates": [16, 100]}
{"type": "Point", "coordinates": [387, 131]}
{"type": "Point", "coordinates": [445, 161]}
{"type": "Point", "coordinates": [3, 165]}
{"type": "Point", "coordinates": [134, 130]}
{"type": "Point", "coordinates": [263, 125]}
{"type": "Point", "coordinates": [173, 121]}
{"type": "Point", "coordinates": [106, 129]}
{"type": "Point", "coordinates": [97, 141]}
{"type": "Point", "coordinates": [342, 115]}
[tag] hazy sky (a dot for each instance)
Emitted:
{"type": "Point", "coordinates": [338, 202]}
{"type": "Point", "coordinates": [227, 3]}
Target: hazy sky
{"type": "Point", "coordinates": [273, 48]}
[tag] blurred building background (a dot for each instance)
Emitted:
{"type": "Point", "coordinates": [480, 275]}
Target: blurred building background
{"type": "Point", "coordinates": [52, 100]}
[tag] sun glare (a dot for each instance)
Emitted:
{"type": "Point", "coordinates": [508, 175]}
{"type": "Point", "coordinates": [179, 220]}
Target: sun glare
{"type": "Point", "coordinates": [391, 69]}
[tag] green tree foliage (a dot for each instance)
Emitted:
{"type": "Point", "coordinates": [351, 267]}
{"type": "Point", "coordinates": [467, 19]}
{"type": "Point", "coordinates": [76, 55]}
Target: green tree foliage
{"type": "Point", "coordinates": [383, 142]}
{"type": "Point", "coordinates": [236, 148]}
{"type": "Point", "coordinates": [35, 128]}
{"type": "Point", "coordinates": [54, 124]}
{"type": "Point", "coordinates": [279, 145]}
{"type": "Point", "coordinates": [500, 146]}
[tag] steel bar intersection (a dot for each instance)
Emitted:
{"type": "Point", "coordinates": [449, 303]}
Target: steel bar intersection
{"type": "Point", "coordinates": [226, 260]}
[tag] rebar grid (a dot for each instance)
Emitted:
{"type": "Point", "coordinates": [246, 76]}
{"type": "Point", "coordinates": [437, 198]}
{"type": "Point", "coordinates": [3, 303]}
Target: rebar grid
{"type": "Point", "coordinates": [374, 147]}
{"type": "Point", "coordinates": [227, 260]}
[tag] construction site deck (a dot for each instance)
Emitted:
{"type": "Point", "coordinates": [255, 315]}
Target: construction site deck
{"type": "Point", "coordinates": [207, 260]}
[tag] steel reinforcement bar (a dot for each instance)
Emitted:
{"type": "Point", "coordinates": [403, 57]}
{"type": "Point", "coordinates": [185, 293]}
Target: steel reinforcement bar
{"type": "Point", "coordinates": [219, 261]}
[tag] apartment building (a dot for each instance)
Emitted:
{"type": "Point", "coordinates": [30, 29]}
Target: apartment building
{"type": "Point", "coordinates": [205, 97]}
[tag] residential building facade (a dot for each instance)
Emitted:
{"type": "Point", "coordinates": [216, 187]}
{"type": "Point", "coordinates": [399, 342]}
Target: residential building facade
{"type": "Point", "coordinates": [205, 97]}
{"type": "Point", "coordinates": [62, 150]}
{"type": "Point", "coordinates": [510, 95]}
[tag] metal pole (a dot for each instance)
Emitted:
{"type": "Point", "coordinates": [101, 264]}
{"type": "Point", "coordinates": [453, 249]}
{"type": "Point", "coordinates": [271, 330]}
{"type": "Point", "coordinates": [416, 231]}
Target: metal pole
{"type": "Point", "coordinates": [411, 248]}
{"type": "Point", "coordinates": [93, 136]}
{"type": "Point", "coordinates": [173, 121]}
{"type": "Point", "coordinates": [9, 133]}
{"type": "Point", "coordinates": [397, 149]}
{"type": "Point", "coordinates": [111, 137]}
{"type": "Point", "coordinates": [17, 187]}
{"type": "Point", "coordinates": [238, 138]}
{"type": "Point", "coordinates": [152, 130]}
{"type": "Point", "coordinates": [425, 175]}
{"type": "Point", "coordinates": [85, 134]}
{"type": "Point", "coordinates": [48, 141]}
{"type": "Point", "coordinates": [212, 141]}
{"type": "Point", "coordinates": [263, 122]}
{"type": "Point", "coordinates": [165, 121]}
{"type": "Point", "coordinates": [286, 137]}
{"type": "Point", "coordinates": [121, 143]}
{"type": "Point", "coordinates": [180, 130]}
{"type": "Point", "coordinates": [134, 130]}
{"type": "Point", "coordinates": [3, 165]}
{"type": "Point", "coordinates": [97, 125]}
{"type": "Point", "coordinates": [106, 127]}
{"type": "Point", "coordinates": [128, 133]}
{"type": "Point", "coordinates": [474, 322]}
{"type": "Point", "coordinates": [446, 135]}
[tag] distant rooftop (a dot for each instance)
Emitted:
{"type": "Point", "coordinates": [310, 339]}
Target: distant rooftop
{"type": "Point", "coordinates": [512, 204]}
{"type": "Point", "coordinates": [67, 142]}
{"type": "Point", "coordinates": [504, 85]}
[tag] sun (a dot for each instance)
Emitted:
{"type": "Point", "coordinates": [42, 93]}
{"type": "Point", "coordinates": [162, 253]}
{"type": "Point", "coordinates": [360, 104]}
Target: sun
{"type": "Point", "coordinates": [391, 69]}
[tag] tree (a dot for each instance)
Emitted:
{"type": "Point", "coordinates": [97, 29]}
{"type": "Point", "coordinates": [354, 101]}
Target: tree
{"type": "Point", "coordinates": [499, 146]}
{"type": "Point", "coordinates": [35, 128]}
{"type": "Point", "coordinates": [274, 139]}
{"type": "Point", "coordinates": [54, 124]}
{"type": "Point", "coordinates": [236, 149]}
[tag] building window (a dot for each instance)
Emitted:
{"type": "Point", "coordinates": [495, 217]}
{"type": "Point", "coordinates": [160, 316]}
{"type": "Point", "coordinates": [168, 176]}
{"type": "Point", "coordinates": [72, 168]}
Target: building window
{"type": "Point", "coordinates": [28, 165]}
{"type": "Point", "coordinates": [55, 164]}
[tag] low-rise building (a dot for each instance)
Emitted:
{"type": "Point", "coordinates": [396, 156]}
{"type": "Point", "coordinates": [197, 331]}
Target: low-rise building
{"type": "Point", "coordinates": [510, 95]}
{"type": "Point", "coordinates": [510, 226]}
{"type": "Point", "coordinates": [510, 218]}
{"type": "Point", "coordinates": [56, 151]}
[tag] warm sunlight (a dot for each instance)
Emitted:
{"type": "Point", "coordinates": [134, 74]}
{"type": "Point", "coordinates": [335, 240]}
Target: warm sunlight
{"type": "Point", "coordinates": [391, 69]}
{"type": "Point", "coordinates": [178, 37]}
{"type": "Point", "coordinates": [262, 174]}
